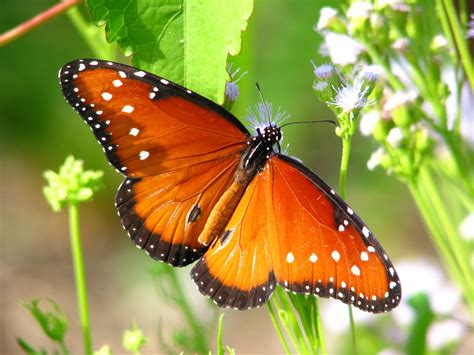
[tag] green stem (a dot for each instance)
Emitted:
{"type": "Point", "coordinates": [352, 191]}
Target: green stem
{"type": "Point", "coordinates": [276, 324]}
{"type": "Point", "coordinates": [346, 153]}
{"type": "Point", "coordinates": [461, 42]}
{"type": "Point", "coordinates": [220, 345]}
{"type": "Point", "coordinates": [200, 338]}
{"type": "Point", "coordinates": [80, 277]}
{"type": "Point", "coordinates": [435, 225]}
{"type": "Point", "coordinates": [455, 244]}
{"type": "Point", "coordinates": [92, 35]}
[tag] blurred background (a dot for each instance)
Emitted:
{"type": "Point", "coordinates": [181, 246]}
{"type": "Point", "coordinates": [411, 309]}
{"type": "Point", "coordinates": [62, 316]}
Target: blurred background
{"type": "Point", "coordinates": [38, 130]}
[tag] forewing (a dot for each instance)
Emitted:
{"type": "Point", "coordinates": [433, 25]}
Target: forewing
{"type": "Point", "coordinates": [146, 124]}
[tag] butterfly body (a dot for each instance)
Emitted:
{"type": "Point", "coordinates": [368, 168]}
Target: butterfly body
{"type": "Point", "coordinates": [199, 187]}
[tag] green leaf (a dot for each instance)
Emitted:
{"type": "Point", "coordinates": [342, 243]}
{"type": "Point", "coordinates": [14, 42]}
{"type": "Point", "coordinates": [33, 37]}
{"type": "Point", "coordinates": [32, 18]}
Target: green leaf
{"type": "Point", "coordinates": [28, 349]}
{"type": "Point", "coordinates": [184, 41]}
{"type": "Point", "coordinates": [53, 322]}
{"type": "Point", "coordinates": [416, 342]}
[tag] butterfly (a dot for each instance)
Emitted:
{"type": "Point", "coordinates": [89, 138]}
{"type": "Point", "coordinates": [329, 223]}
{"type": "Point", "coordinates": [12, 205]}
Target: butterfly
{"type": "Point", "coordinates": [200, 187]}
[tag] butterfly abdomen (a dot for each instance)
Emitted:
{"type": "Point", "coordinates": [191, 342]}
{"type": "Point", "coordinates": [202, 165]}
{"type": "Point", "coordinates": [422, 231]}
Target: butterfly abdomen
{"type": "Point", "coordinates": [259, 149]}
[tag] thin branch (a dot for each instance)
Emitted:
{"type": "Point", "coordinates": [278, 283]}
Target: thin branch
{"type": "Point", "coordinates": [39, 19]}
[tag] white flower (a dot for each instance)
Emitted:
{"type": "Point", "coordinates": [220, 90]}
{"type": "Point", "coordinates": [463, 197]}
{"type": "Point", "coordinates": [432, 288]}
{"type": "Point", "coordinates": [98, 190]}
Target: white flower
{"type": "Point", "coordinates": [395, 136]}
{"type": "Point", "coordinates": [401, 44]}
{"type": "Point", "coordinates": [470, 27]}
{"type": "Point", "coordinates": [372, 69]}
{"type": "Point", "coordinates": [466, 228]}
{"type": "Point", "coordinates": [368, 122]}
{"type": "Point", "coordinates": [350, 97]}
{"type": "Point", "coordinates": [444, 332]}
{"type": "Point", "coordinates": [323, 71]}
{"type": "Point", "coordinates": [342, 49]}
{"type": "Point", "coordinates": [360, 9]}
{"type": "Point", "coordinates": [398, 99]}
{"type": "Point", "coordinates": [326, 16]}
{"type": "Point", "coordinates": [375, 159]}
{"type": "Point", "coordinates": [398, 5]}
{"type": "Point", "coordinates": [320, 85]}
{"type": "Point", "coordinates": [439, 41]}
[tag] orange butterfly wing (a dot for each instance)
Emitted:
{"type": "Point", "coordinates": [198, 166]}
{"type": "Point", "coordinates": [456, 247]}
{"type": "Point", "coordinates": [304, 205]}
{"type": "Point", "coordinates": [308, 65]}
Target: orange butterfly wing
{"type": "Point", "coordinates": [297, 232]}
{"type": "Point", "coordinates": [177, 149]}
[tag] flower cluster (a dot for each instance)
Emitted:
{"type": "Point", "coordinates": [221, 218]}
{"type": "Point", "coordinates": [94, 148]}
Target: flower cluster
{"type": "Point", "coordinates": [377, 39]}
{"type": "Point", "coordinates": [71, 185]}
{"type": "Point", "coordinates": [345, 95]}
{"type": "Point", "coordinates": [419, 110]}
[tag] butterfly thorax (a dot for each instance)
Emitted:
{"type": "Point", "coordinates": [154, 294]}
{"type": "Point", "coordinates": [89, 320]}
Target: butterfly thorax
{"type": "Point", "coordinates": [259, 149]}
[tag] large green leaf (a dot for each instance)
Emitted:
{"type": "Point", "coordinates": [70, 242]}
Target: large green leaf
{"type": "Point", "coordinates": [186, 41]}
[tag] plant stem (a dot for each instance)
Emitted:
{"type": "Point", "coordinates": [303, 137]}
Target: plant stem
{"type": "Point", "coordinates": [34, 22]}
{"type": "Point", "coordinates": [273, 317]}
{"type": "Point", "coordinates": [346, 152]}
{"type": "Point", "coordinates": [429, 205]}
{"type": "Point", "coordinates": [200, 338]}
{"type": "Point", "coordinates": [461, 43]}
{"type": "Point", "coordinates": [92, 35]}
{"type": "Point", "coordinates": [80, 277]}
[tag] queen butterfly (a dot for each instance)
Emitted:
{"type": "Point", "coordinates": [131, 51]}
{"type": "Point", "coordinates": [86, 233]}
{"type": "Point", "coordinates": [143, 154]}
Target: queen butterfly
{"type": "Point", "coordinates": [199, 186]}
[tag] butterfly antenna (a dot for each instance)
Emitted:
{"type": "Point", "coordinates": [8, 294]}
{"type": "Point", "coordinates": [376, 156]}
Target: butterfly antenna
{"type": "Point", "coordinates": [315, 121]}
{"type": "Point", "coordinates": [266, 105]}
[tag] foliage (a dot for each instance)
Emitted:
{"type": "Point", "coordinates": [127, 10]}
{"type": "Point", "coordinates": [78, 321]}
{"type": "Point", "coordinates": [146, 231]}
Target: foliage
{"type": "Point", "coordinates": [168, 38]}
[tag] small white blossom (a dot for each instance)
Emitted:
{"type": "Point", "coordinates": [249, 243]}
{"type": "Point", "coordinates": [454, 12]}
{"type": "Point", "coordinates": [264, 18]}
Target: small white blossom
{"type": "Point", "coordinates": [466, 228]}
{"type": "Point", "coordinates": [320, 85]}
{"type": "Point", "coordinates": [368, 122]}
{"type": "Point", "coordinates": [350, 97]}
{"type": "Point", "coordinates": [326, 15]}
{"type": "Point", "coordinates": [373, 69]}
{"type": "Point", "coordinates": [470, 27]}
{"type": "Point", "coordinates": [342, 49]}
{"type": "Point", "coordinates": [397, 5]}
{"type": "Point", "coordinates": [360, 9]}
{"type": "Point", "coordinates": [323, 71]}
{"type": "Point", "coordinates": [375, 159]}
{"type": "Point", "coordinates": [439, 41]}
{"type": "Point", "coordinates": [395, 136]}
{"type": "Point", "coordinates": [398, 99]}
{"type": "Point", "coordinates": [444, 332]}
{"type": "Point", "coordinates": [401, 44]}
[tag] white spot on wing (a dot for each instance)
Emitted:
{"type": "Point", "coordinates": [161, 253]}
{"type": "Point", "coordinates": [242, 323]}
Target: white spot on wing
{"type": "Point", "coordinates": [134, 131]}
{"type": "Point", "coordinates": [355, 270]}
{"type": "Point", "coordinates": [364, 256]}
{"type": "Point", "coordinates": [313, 258]}
{"type": "Point", "coordinates": [164, 81]}
{"type": "Point", "coordinates": [128, 109]}
{"type": "Point", "coordinates": [140, 73]}
{"type": "Point", "coordinates": [335, 255]}
{"type": "Point", "coordinates": [371, 249]}
{"type": "Point", "coordinates": [82, 67]}
{"type": "Point", "coordinates": [290, 257]}
{"type": "Point", "coordinates": [365, 231]}
{"type": "Point", "coordinates": [106, 96]}
{"type": "Point", "coordinates": [349, 210]}
{"type": "Point", "coordinates": [94, 62]}
{"type": "Point", "coordinates": [117, 83]}
{"type": "Point", "coordinates": [144, 154]}
{"type": "Point", "coordinates": [122, 74]}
